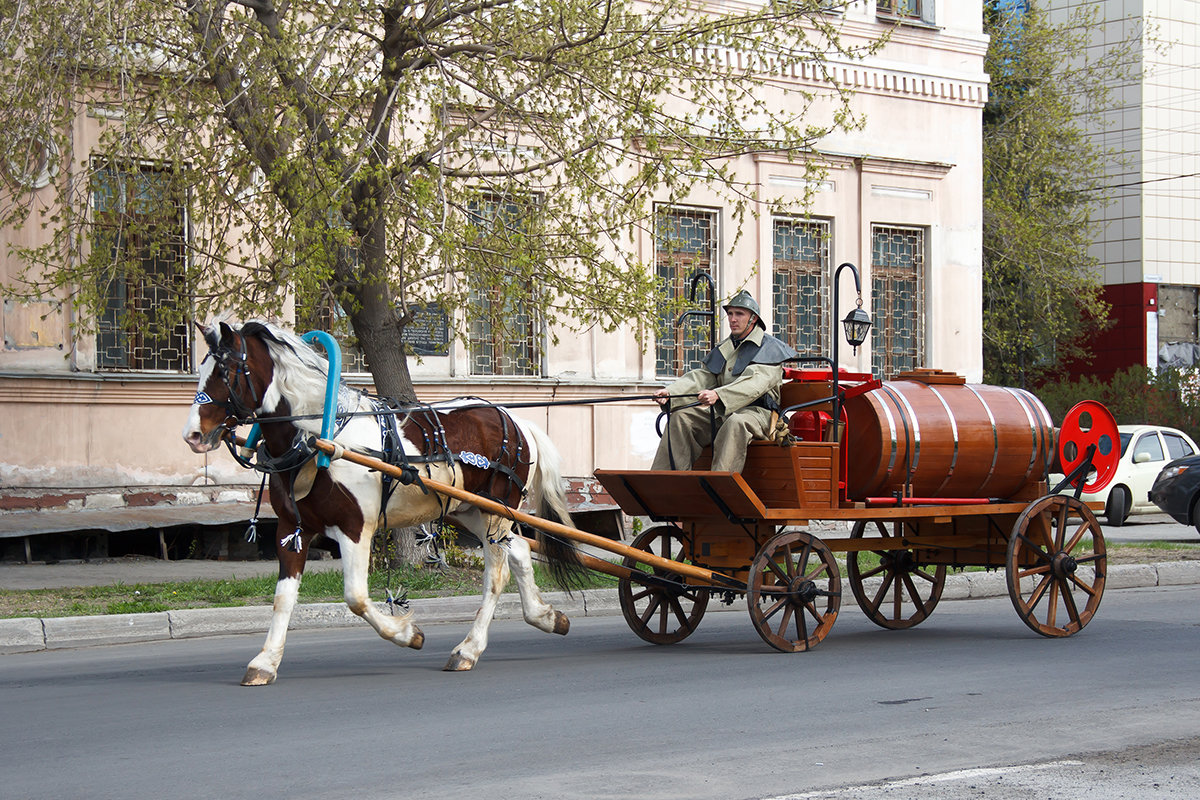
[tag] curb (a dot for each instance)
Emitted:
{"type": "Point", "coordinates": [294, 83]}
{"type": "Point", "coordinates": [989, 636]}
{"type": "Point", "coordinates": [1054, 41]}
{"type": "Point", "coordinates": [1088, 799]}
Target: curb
{"type": "Point", "coordinates": [29, 634]}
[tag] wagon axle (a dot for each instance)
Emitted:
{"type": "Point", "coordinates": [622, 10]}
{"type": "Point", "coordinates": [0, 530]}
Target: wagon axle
{"type": "Point", "coordinates": [801, 591]}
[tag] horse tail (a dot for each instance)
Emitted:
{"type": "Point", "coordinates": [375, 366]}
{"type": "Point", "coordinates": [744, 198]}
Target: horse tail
{"type": "Point", "coordinates": [550, 502]}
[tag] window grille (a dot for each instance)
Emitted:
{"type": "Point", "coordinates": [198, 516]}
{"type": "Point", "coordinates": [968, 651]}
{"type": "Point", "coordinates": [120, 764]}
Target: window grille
{"type": "Point", "coordinates": [504, 340]}
{"type": "Point", "coordinates": [328, 316]}
{"type": "Point", "coordinates": [505, 332]}
{"type": "Point", "coordinates": [800, 293]}
{"type": "Point", "coordinates": [685, 243]}
{"type": "Point", "coordinates": [897, 299]}
{"type": "Point", "coordinates": [140, 228]}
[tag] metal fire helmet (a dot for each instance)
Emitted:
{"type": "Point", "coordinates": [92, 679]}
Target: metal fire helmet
{"type": "Point", "coordinates": [743, 300]}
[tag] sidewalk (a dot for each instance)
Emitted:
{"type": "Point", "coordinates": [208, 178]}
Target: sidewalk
{"type": "Point", "coordinates": [29, 634]}
{"type": "Point", "coordinates": [139, 569]}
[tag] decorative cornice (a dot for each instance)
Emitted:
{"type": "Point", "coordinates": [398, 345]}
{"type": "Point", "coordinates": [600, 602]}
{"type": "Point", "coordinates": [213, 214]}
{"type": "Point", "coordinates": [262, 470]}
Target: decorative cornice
{"type": "Point", "coordinates": [903, 166]}
{"type": "Point", "coordinates": [879, 165]}
{"type": "Point", "coordinates": [882, 81]}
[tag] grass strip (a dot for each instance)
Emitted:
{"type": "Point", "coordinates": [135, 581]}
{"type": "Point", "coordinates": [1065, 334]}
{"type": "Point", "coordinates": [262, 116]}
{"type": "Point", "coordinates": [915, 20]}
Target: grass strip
{"type": "Point", "coordinates": [316, 587]}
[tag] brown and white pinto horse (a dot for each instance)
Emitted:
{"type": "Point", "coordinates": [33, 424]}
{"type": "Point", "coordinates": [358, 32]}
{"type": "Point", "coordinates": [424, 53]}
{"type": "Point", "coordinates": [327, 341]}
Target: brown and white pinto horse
{"type": "Point", "coordinates": [264, 373]}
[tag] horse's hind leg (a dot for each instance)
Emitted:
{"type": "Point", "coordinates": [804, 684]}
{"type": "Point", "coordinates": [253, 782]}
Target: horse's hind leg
{"type": "Point", "coordinates": [495, 576]}
{"type": "Point", "coordinates": [264, 668]}
{"type": "Point", "coordinates": [536, 610]}
{"type": "Point", "coordinates": [356, 562]}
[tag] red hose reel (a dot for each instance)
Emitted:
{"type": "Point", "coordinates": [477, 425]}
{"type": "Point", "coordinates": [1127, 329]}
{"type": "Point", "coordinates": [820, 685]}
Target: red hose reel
{"type": "Point", "coordinates": [1089, 424]}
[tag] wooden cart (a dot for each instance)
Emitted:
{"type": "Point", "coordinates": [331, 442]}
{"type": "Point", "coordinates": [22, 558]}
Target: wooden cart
{"type": "Point", "coordinates": [749, 526]}
{"type": "Point", "coordinates": [896, 558]}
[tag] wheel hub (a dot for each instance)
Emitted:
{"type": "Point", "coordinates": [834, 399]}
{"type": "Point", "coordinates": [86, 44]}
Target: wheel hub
{"type": "Point", "coordinates": [900, 561]}
{"type": "Point", "coordinates": [1064, 565]}
{"type": "Point", "coordinates": [802, 590]}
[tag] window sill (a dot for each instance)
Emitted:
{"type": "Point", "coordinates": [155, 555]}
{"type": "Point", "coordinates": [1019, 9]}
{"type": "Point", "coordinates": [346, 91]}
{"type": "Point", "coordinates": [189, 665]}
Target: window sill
{"type": "Point", "coordinates": [907, 22]}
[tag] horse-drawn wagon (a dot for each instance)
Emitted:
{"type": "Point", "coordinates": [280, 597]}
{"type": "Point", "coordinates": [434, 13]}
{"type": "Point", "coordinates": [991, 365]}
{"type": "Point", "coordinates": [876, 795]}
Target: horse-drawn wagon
{"type": "Point", "coordinates": [739, 534]}
{"type": "Point", "coordinates": [929, 473]}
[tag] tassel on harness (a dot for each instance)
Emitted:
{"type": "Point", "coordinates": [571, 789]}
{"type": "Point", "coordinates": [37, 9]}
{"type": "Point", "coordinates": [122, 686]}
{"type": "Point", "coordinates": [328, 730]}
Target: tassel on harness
{"type": "Point", "coordinates": [293, 541]}
{"type": "Point", "coordinates": [252, 529]}
{"type": "Point", "coordinates": [394, 602]}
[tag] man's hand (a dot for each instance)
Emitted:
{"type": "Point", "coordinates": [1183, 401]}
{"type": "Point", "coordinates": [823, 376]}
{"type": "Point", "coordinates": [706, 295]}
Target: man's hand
{"type": "Point", "coordinates": [706, 398]}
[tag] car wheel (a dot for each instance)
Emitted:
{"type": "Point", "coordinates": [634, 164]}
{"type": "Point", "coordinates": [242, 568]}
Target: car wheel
{"type": "Point", "coordinates": [1194, 515]}
{"type": "Point", "coordinates": [1117, 508]}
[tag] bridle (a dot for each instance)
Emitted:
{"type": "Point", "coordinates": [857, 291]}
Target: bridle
{"type": "Point", "coordinates": [229, 366]}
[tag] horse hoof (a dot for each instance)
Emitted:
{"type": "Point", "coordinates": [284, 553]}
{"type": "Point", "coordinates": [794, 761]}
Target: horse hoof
{"type": "Point", "coordinates": [257, 677]}
{"type": "Point", "coordinates": [458, 663]}
{"type": "Point", "coordinates": [417, 641]}
{"type": "Point", "coordinates": [561, 623]}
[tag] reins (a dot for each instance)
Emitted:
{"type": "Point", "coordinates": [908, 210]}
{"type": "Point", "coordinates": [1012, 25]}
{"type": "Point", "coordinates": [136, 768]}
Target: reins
{"type": "Point", "coordinates": [397, 410]}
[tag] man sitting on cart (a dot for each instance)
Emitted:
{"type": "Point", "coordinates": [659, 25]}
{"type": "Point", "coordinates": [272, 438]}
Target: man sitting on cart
{"type": "Point", "coordinates": [735, 391]}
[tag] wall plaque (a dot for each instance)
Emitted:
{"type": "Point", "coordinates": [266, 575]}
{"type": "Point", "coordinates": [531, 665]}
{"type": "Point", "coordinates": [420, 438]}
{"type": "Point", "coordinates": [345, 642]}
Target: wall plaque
{"type": "Point", "coordinates": [428, 332]}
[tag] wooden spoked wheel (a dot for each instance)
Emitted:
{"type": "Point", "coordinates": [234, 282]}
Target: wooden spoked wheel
{"type": "Point", "coordinates": [908, 591]}
{"type": "Point", "coordinates": [1056, 565]}
{"type": "Point", "coordinates": [794, 591]}
{"type": "Point", "coordinates": [663, 611]}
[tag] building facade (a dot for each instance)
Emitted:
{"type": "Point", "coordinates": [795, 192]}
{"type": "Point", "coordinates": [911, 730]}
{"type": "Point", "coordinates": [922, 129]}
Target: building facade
{"type": "Point", "coordinates": [1147, 237]}
{"type": "Point", "coordinates": [92, 421]}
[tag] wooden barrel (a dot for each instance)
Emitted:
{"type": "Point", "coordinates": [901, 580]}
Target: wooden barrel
{"type": "Point", "coordinates": [945, 438]}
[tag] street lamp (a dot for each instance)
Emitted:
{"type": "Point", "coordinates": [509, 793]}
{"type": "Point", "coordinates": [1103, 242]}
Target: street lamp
{"type": "Point", "coordinates": [856, 324]}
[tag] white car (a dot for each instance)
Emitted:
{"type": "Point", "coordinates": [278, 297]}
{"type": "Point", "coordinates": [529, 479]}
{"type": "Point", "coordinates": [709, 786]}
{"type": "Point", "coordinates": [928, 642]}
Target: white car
{"type": "Point", "coordinates": [1145, 450]}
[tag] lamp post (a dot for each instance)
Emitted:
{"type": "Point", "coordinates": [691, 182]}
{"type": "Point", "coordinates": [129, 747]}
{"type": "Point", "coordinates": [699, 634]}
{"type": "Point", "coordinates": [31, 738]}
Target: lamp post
{"type": "Point", "coordinates": [856, 324]}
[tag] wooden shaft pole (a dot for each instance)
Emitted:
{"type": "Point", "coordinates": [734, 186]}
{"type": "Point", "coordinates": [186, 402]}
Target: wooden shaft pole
{"type": "Point", "coordinates": [545, 525]}
{"type": "Point", "coordinates": [593, 563]}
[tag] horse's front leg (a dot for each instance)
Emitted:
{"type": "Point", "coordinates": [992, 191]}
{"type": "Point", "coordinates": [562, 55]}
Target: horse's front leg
{"type": "Point", "coordinates": [356, 563]}
{"type": "Point", "coordinates": [536, 610]}
{"type": "Point", "coordinates": [264, 668]}
{"type": "Point", "coordinates": [495, 576]}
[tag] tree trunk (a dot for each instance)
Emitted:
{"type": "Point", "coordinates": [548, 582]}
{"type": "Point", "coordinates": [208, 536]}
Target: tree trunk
{"type": "Point", "coordinates": [374, 315]}
{"type": "Point", "coordinates": [407, 551]}
{"type": "Point", "coordinates": [379, 335]}
{"type": "Point", "coordinates": [397, 547]}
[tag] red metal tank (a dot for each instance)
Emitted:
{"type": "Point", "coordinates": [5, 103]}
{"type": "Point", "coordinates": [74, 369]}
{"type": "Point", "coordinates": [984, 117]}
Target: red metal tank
{"type": "Point", "coordinates": [945, 438]}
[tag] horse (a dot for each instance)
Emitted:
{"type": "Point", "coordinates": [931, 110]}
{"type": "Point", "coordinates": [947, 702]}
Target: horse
{"type": "Point", "coordinates": [265, 374]}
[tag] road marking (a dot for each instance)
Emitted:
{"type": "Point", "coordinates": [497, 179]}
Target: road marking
{"type": "Point", "coordinates": [920, 780]}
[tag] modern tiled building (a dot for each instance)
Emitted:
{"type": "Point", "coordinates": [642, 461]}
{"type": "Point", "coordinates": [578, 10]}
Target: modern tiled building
{"type": "Point", "coordinates": [1147, 239]}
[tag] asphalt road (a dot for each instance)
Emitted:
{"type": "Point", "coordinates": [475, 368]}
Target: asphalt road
{"type": "Point", "coordinates": [599, 714]}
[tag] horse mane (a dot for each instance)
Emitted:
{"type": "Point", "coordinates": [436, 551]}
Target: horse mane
{"type": "Point", "coordinates": [300, 372]}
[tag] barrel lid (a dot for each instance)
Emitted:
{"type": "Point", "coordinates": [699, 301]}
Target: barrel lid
{"type": "Point", "coordinates": [932, 376]}
{"type": "Point", "coordinates": [815, 374]}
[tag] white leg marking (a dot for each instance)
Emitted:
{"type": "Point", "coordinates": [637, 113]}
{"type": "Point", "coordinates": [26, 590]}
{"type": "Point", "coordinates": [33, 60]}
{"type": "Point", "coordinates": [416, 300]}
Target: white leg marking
{"type": "Point", "coordinates": [495, 577]}
{"type": "Point", "coordinates": [536, 610]}
{"type": "Point", "coordinates": [264, 667]}
{"type": "Point", "coordinates": [356, 561]}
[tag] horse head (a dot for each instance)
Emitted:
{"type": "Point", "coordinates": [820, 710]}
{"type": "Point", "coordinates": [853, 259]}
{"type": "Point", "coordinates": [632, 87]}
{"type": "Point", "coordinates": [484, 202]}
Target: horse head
{"type": "Point", "coordinates": [234, 387]}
